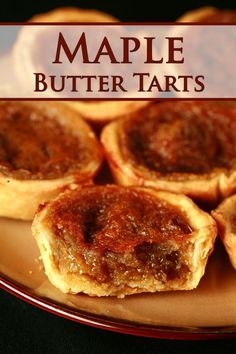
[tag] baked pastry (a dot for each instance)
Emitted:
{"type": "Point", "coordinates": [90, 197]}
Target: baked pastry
{"type": "Point", "coordinates": [117, 241]}
{"type": "Point", "coordinates": [225, 216]}
{"type": "Point", "coordinates": [44, 149]}
{"type": "Point", "coordinates": [73, 14]}
{"type": "Point", "coordinates": [184, 147]}
{"type": "Point", "coordinates": [98, 112]}
{"type": "Point", "coordinates": [209, 14]}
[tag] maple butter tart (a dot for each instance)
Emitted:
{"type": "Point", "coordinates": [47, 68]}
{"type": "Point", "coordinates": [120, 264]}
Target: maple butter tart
{"type": "Point", "coordinates": [183, 147]}
{"type": "Point", "coordinates": [116, 241]}
{"type": "Point", "coordinates": [44, 149]}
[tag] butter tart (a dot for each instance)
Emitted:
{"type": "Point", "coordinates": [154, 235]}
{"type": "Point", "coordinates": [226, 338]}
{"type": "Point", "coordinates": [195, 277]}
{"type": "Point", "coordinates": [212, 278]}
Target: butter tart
{"type": "Point", "coordinates": [44, 149]}
{"type": "Point", "coordinates": [184, 147]}
{"type": "Point", "coordinates": [98, 112]}
{"type": "Point", "coordinates": [209, 14]}
{"type": "Point", "coordinates": [116, 241]}
{"type": "Point", "coordinates": [225, 216]}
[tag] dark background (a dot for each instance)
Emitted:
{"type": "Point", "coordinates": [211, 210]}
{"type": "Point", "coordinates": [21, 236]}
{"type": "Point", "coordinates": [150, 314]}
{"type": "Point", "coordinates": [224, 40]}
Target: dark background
{"type": "Point", "coordinates": [139, 10]}
{"type": "Point", "coordinates": [26, 329]}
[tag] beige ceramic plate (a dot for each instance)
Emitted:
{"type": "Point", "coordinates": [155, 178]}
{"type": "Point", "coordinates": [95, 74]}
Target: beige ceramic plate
{"type": "Point", "coordinates": [208, 311]}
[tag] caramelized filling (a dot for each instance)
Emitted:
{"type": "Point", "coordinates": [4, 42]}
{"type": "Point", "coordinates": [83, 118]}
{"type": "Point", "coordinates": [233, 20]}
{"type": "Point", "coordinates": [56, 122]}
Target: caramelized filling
{"type": "Point", "coordinates": [33, 146]}
{"type": "Point", "coordinates": [181, 137]}
{"type": "Point", "coordinates": [117, 233]}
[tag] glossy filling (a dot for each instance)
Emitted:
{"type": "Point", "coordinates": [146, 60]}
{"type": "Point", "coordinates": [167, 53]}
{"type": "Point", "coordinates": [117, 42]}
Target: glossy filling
{"type": "Point", "coordinates": [115, 234]}
{"type": "Point", "coordinates": [181, 137]}
{"type": "Point", "coordinates": [33, 146]}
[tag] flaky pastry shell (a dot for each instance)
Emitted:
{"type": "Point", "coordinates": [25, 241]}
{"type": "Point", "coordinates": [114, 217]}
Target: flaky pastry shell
{"type": "Point", "coordinates": [196, 249]}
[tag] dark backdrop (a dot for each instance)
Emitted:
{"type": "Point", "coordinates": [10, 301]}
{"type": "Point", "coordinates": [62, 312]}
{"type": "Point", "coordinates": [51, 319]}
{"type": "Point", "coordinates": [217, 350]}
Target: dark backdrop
{"type": "Point", "coordinates": [25, 329]}
{"type": "Point", "coordinates": [139, 10]}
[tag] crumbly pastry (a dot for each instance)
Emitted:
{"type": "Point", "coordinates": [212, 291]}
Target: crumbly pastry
{"type": "Point", "coordinates": [98, 112]}
{"type": "Point", "coordinates": [117, 241]}
{"type": "Point", "coordinates": [184, 147]}
{"type": "Point", "coordinates": [225, 216]}
{"type": "Point", "coordinates": [45, 148]}
{"type": "Point", "coordinates": [208, 14]}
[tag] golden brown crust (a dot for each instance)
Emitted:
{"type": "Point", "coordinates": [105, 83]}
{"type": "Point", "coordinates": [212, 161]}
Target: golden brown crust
{"type": "Point", "coordinates": [207, 187]}
{"type": "Point", "coordinates": [73, 14]}
{"type": "Point", "coordinates": [198, 246]}
{"type": "Point", "coordinates": [209, 14]}
{"type": "Point", "coordinates": [102, 112]}
{"type": "Point", "coordinates": [197, 14]}
{"type": "Point", "coordinates": [225, 216]}
{"type": "Point", "coordinates": [19, 198]}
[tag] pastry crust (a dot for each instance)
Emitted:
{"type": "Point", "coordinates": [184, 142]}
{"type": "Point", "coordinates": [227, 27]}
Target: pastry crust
{"type": "Point", "coordinates": [207, 187]}
{"type": "Point", "coordinates": [195, 248]}
{"type": "Point", "coordinates": [208, 14]}
{"type": "Point", "coordinates": [225, 216]}
{"type": "Point", "coordinates": [73, 14]}
{"type": "Point", "coordinates": [20, 197]}
{"type": "Point", "coordinates": [98, 112]}
{"type": "Point", "coordinates": [197, 14]}
{"type": "Point", "coordinates": [102, 112]}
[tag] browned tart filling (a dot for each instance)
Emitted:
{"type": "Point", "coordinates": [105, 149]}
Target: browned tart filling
{"type": "Point", "coordinates": [182, 147]}
{"type": "Point", "coordinates": [112, 240]}
{"type": "Point", "coordinates": [35, 146]}
{"type": "Point", "coordinates": [115, 234]}
{"type": "Point", "coordinates": [180, 138]}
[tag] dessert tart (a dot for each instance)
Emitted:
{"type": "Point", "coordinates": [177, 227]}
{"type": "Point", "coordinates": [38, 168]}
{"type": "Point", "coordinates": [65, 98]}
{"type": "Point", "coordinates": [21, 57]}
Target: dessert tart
{"type": "Point", "coordinates": [184, 147]}
{"type": "Point", "coordinates": [116, 241]}
{"type": "Point", "coordinates": [209, 14]}
{"type": "Point", "coordinates": [44, 149]}
{"type": "Point", "coordinates": [98, 112]}
{"type": "Point", "coordinates": [225, 216]}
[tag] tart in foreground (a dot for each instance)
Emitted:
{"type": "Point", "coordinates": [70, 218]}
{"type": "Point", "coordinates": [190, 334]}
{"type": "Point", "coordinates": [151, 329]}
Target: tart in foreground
{"type": "Point", "coordinates": [225, 216]}
{"type": "Point", "coordinates": [117, 241]}
{"type": "Point", "coordinates": [45, 148]}
{"type": "Point", "coordinates": [183, 147]}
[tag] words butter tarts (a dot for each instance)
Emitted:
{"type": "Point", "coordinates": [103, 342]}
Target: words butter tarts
{"type": "Point", "coordinates": [117, 241]}
{"type": "Point", "coordinates": [44, 149]}
{"type": "Point", "coordinates": [184, 147]}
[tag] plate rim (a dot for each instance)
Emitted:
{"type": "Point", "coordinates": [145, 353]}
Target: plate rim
{"type": "Point", "coordinates": [114, 325]}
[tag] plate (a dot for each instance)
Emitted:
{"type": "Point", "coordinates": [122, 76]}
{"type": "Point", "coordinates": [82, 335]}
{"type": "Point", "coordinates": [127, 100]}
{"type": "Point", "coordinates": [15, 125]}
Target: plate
{"type": "Point", "coordinates": [207, 312]}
